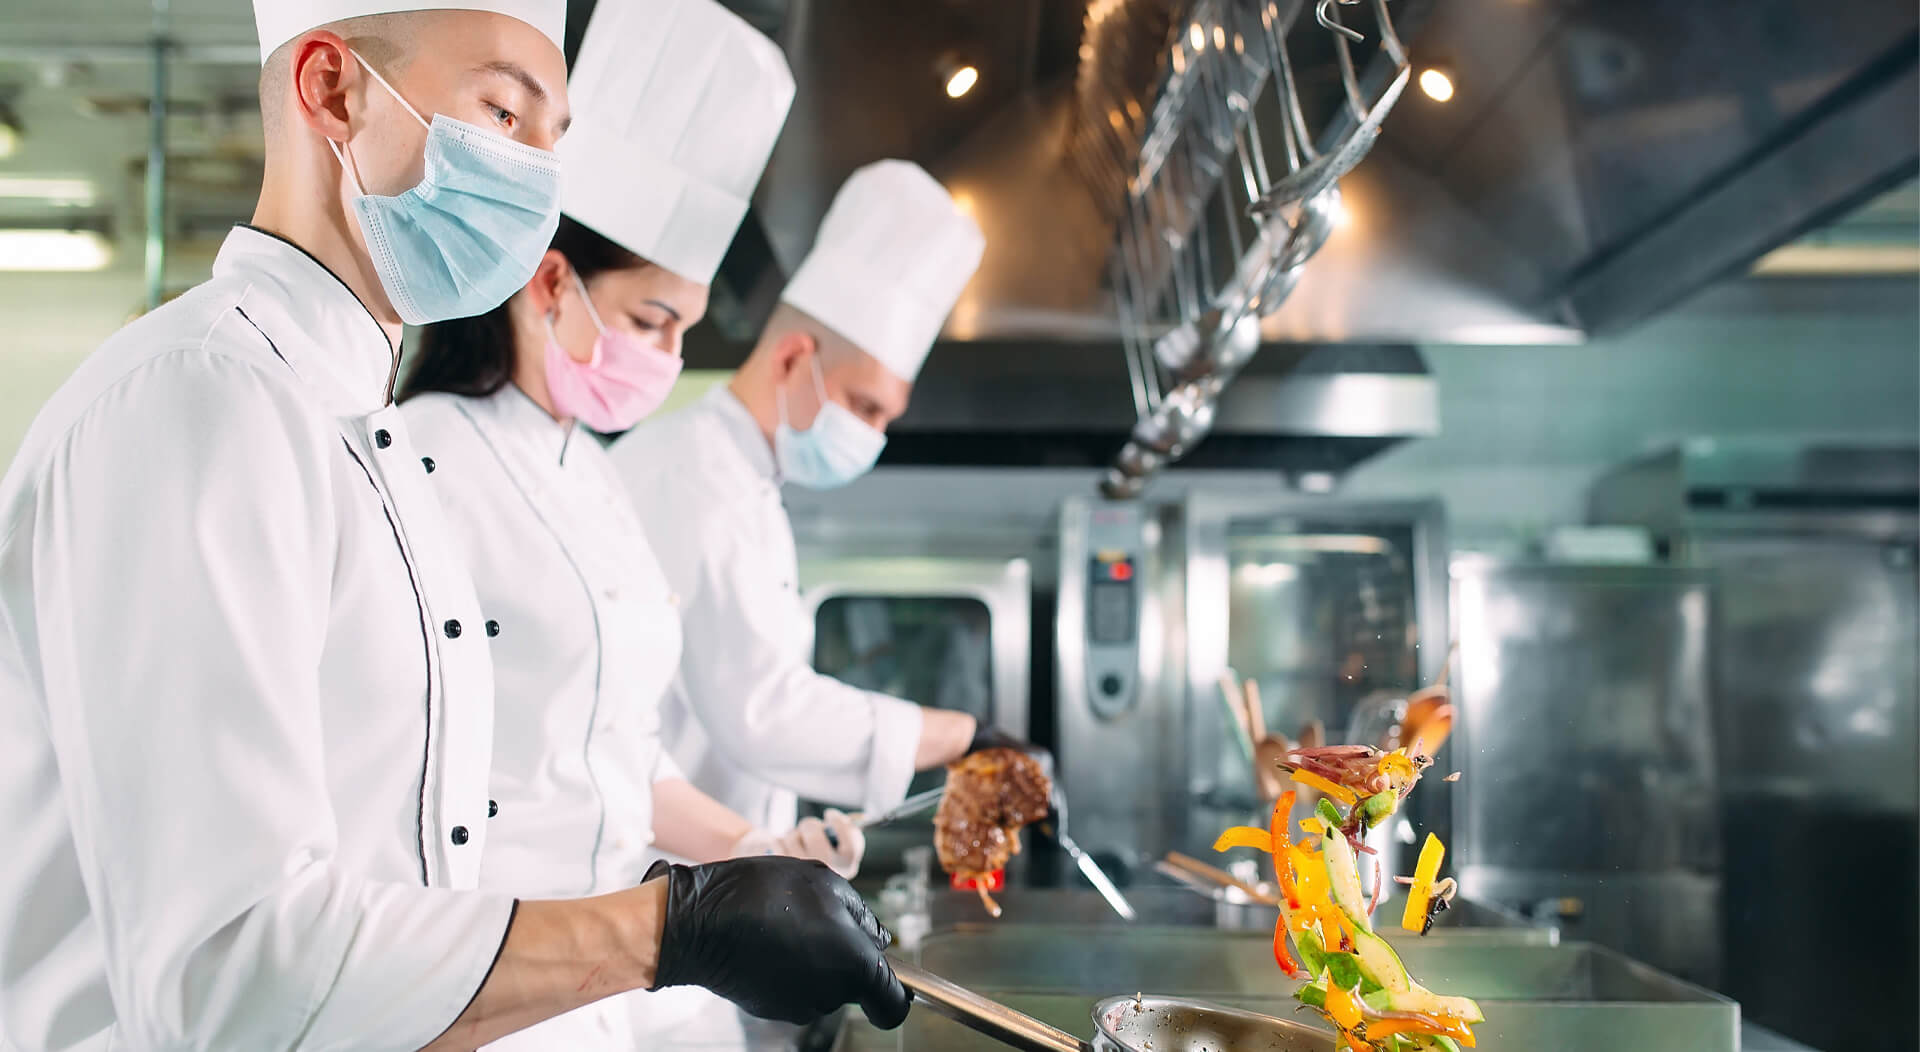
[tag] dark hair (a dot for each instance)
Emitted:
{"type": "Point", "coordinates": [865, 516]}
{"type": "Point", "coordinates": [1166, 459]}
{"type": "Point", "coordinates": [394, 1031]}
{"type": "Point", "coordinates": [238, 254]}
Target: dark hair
{"type": "Point", "coordinates": [474, 356]}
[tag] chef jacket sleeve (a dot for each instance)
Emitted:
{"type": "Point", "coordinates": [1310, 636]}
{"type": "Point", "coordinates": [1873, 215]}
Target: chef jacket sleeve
{"type": "Point", "coordinates": [183, 553]}
{"type": "Point", "coordinates": [749, 684]}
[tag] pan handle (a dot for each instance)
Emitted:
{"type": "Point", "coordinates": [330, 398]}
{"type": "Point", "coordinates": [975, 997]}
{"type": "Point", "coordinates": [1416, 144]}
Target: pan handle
{"type": "Point", "coordinates": [989, 1017]}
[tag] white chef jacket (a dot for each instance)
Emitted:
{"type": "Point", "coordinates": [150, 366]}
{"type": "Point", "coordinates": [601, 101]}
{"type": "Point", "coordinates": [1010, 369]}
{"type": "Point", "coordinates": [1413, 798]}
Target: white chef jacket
{"type": "Point", "coordinates": [587, 639]}
{"type": "Point", "coordinates": [747, 718]}
{"type": "Point", "coordinates": [245, 699]}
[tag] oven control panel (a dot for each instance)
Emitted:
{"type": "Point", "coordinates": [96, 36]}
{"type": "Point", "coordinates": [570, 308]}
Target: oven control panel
{"type": "Point", "coordinates": [1114, 545]}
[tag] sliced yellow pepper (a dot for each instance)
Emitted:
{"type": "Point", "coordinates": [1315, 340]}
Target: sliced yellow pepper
{"type": "Point", "coordinates": [1333, 789]}
{"type": "Point", "coordinates": [1312, 826]}
{"type": "Point", "coordinates": [1399, 763]}
{"type": "Point", "coordinates": [1414, 919]}
{"type": "Point", "coordinates": [1309, 875]}
{"type": "Point", "coordinates": [1342, 1006]}
{"type": "Point", "coordinates": [1245, 836]}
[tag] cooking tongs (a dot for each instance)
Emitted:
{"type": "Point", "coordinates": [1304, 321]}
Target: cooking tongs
{"type": "Point", "coordinates": [1088, 867]}
{"type": "Point", "coordinates": [918, 803]}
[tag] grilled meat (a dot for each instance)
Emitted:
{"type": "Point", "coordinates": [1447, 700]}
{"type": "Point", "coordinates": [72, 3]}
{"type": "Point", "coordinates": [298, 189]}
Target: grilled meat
{"type": "Point", "coordinates": [990, 795]}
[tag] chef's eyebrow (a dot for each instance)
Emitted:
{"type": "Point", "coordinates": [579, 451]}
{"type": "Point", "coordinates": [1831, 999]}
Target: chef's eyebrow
{"type": "Point", "coordinates": [517, 72]}
{"type": "Point", "coordinates": [664, 307]}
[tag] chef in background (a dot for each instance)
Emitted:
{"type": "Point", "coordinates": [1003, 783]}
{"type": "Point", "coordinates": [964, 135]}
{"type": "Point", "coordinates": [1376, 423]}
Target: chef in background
{"type": "Point", "coordinates": [245, 688]}
{"type": "Point", "coordinates": [677, 104]}
{"type": "Point", "coordinates": [748, 719]}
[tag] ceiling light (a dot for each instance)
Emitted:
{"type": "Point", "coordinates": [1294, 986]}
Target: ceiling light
{"type": "Point", "coordinates": [1198, 36]}
{"type": "Point", "coordinates": [962, 81]}
{"type": "Point", "coordinates": [46, 250]}
{"type": "Point", "coordinates": [1437, 84]}
{"type": "Point", "coordinates": [72, 193]}
{"type": "Point", "coordinates": [956, 76]}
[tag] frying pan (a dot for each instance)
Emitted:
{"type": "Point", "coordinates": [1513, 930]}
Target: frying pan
{"type": "Point", "coordinates": [1140, 1023]}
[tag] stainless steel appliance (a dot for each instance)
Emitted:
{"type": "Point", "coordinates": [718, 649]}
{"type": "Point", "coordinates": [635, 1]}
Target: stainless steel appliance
{"type": "Point", "coordinates": [950, 631]}
{"type": "Point", "coordinates": [1813, 548]}
{"type": "Point", "coordinates": [1117, 655]}
{"type": "Point", "coordinates": [1591, 785]}
{"type": "Point", "coordinates": [1327, 604]}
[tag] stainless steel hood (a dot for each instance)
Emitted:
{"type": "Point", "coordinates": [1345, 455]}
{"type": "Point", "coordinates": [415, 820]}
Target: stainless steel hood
{"type": "Point", "coordinates": [1601, 159]}
{"type": "Point", "coordinates": [1308, 412]}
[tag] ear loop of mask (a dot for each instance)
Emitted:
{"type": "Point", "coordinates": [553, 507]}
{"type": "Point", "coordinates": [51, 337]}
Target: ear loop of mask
{"type": "Point", "coordinates": [338, 150]}
{"type": "Point", "coordinates": [592, 314]}
{"type": "Point", "coordinates": [819, 389]}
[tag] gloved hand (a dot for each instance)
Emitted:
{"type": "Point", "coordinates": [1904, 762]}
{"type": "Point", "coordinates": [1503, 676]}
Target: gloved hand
{"type": "Point", "coordinates": [991, 737]}
{"type": "Point", "coordinates": [837, 842]}
{"type": "Point", "coordinates": [783, 938]}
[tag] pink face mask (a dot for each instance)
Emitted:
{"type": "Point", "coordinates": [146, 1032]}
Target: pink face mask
{"type": "Point", "coordinates": [624, 380]}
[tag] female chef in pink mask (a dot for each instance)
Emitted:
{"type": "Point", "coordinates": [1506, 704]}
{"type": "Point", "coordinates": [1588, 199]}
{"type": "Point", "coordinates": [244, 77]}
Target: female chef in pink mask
{"type": "Point", "coordinates": [677, 105]}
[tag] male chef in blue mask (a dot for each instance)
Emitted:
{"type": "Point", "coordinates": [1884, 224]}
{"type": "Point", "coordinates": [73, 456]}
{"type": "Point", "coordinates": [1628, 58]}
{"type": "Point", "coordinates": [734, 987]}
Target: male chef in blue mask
{"type": "Point", "coordinates": [245, 691]}
{"type": "Point", "coordinates": [748, 720]}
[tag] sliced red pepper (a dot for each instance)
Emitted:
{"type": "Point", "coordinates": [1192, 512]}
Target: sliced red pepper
{"type": "Point", "coordinates": [1280, 954]}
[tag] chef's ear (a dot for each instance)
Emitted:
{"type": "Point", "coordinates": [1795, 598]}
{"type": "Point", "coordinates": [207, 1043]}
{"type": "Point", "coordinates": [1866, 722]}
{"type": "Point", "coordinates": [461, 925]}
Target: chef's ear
{"type": "Point", "coordinates": [323, 72]}
{"type": "Point", "coordinates": [794, 350]}
{"type": "Point", "coordinates": [548, 282]}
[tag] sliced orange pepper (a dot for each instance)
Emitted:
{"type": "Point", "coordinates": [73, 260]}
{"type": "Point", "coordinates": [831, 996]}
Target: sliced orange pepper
{"type": "Point", "coordinates": [1244, 836]}
{"type": "Point", "coordinates": [1333, 789]}
{"type": "Point", "coordinates": [1354, 1044]}
{"type": "Point", "coordinates": [1280, 843]}
{"type": "Point", "coordinates": [1421, 1023]}
{"type": "Point", "coordinates": [1342, 1007]}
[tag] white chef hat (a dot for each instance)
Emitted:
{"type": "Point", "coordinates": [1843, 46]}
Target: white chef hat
{"type": "Point", "coordinates": [676, 105]}
{"type": "Point", "coordinates": [281, 20]}
{"type": "Point", "coordinates": [888, 264]}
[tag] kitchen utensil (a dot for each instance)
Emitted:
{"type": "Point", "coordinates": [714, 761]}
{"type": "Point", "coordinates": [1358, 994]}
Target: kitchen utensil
{"type": "Point", "coordinates": [1087, 866]}
{"type": "Point", "coordinates": [1209, 876]}
{"type": "Point", "coordinates": [918, 803]}
{"type": "Point", "coordinates": [1140, 1023]}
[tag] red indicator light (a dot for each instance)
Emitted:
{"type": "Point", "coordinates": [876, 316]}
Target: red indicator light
{"type": "Point", "coordinates": [1121, 571]}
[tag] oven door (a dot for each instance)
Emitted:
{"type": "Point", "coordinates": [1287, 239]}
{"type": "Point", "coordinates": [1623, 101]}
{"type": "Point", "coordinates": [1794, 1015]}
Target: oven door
{"type": "Point", "coordinates": [952, 633]}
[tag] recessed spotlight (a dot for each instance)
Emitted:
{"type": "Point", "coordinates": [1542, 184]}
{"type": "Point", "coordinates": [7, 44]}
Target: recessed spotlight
{"type": "Point", "coordinates": [1436, 83]}
{"type": "Point", "coordinates": [962, 81]}
{"type": "Point", "coordinates": [956, 77]}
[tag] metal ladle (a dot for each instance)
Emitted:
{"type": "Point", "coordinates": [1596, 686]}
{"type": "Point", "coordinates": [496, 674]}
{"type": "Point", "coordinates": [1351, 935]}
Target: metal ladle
{"type": "Point", "coordinates": [1141, 1023]}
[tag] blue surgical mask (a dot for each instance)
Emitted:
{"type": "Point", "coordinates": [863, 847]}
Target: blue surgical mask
{"type": "Point", "coordinates": [837, 449]}
{"type": "Point", "coordinates": [471, 233]}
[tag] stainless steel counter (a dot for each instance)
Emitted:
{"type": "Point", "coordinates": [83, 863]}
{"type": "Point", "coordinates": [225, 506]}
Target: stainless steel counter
{"type": "Point", "coordinates": [1538, 994]}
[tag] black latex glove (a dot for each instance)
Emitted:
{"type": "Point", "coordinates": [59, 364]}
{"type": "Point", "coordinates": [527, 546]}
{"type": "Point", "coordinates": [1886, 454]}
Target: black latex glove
{"type": "Point", "coordinates": [987, 736]}
{"type": "Point", "coordinates": [783, 938]}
